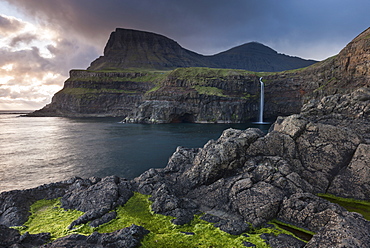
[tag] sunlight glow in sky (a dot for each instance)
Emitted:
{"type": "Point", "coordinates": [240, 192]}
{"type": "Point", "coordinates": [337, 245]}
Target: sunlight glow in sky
{"type": "Point", "coordinates": [21, 86]}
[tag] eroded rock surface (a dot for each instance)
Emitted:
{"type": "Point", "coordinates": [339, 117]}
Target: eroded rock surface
{"type": "Point", "coordinates": [128, 237]}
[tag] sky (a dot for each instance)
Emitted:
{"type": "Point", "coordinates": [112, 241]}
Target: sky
{"type": "Point", "coordinates": [42, 40]}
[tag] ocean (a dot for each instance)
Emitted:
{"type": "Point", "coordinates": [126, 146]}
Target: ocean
{"type": "Point", "coordinates": [40, 150]}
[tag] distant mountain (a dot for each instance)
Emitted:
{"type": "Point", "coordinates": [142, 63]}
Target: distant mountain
{"type": "Point", "coordinates": [255, 56]}
{"type": "Point", "coordinates": [128, 48]}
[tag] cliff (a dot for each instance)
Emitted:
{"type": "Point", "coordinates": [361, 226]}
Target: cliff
{"type": "Point", "coordinates": [200, 94]}
{"type": "Point", "coordinates": [128, 48]}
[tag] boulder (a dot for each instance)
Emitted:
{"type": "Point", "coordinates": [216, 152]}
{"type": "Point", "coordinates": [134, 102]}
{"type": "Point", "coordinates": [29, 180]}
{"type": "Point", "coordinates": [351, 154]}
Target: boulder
{"type": "Point", "coordinates": [128, 237]}
{"type": "Point", "coordinates": [11, 238]}
{"type": "Point", "coordinates": [347, 230]}
{"type": "Point", "coordinates": [353, 181]}
{"type": "Point", "coordinates": [97, 199]}
{"type": "Point", "coordinates": [283, 241]}
{"type": "Point", "coordinates": [15, 205]}
{"type": "Point", "coordinates": [220, 157]}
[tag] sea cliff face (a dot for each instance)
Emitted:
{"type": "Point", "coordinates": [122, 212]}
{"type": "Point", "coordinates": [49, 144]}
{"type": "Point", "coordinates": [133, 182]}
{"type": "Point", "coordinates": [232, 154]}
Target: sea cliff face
{"type": "Point", "coordinates": [204, 95]}
{"type": "Point", "coordinates": [201, 95]}
{"type": "Point", "coordinates": [88, 93]}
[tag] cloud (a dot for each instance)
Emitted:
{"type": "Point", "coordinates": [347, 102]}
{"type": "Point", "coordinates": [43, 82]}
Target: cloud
{"type": "Point", "coordinates": [210, 26]}
{"type": "Point", "coordinates": [34, 63]}
{"type": "Point", "coordinates": [9, 24]}
{"type": "Point", "coordinates": [60, 35]}
{"type": "Point", "coordinates": [25, 38]}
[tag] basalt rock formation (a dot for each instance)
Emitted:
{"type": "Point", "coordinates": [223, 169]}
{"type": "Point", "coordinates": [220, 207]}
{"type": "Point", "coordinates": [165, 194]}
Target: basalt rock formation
{"type": "Point", "coordinates": [243, 177]}
{"type": "Point", "coordinates": [128, 48]}
{"type": "Point", "coordinates": [207, 95]}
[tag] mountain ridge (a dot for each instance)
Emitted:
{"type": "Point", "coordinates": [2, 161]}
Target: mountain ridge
{"type": "Point", "coordinates": [128, 48]}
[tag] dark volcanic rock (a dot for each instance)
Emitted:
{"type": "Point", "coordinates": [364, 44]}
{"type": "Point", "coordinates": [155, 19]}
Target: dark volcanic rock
{"type": "Point", "coordinates": [283, 241]}
{"type": "Point", "coordinates": [350, 230]}
{"type": "Point", "coordinates": [14, 205]}
{"type": "Point", "coordinates": [128, 237]}
{"type": "Point", "coordinates": [219, 157]}
{"type": "Point", "coordinates": [11, 238]}
{"type": "Point", "coordinates": [8, 236]}
{"type": "Point", "coordinates": [353, 181]}
{"type": "Point", "coordinates": [234, 227]}
{"type": "Point", "coordinates": [104, 219]}
{"type": "Point", "coordinates": [97, 199]}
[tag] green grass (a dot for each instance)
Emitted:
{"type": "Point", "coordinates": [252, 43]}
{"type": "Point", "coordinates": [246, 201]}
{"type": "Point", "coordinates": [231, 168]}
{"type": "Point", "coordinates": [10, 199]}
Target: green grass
{"type": "Point", "coordinates": [155, 88]}
{"type": "Point", "coordinates": [196, 73]}
{"type": "Point", "coordinates": [248, 96]}
{"type": "Point", "coordinates": [48, 216]}
{"type": "Point", "coordinates": [352, 205]}
{"type": "Point", "coordinates": [144, 76]}
{"type": "Point", "coordinates": [82, 91]}
{"type": "Point", "coordinates": [204, 90]}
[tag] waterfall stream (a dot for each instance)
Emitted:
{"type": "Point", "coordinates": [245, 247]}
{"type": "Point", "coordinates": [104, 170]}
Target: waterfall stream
{"type": "Point", "coordinates": [262, 103]}
{"type": "Point", "coordinates": [262, 99]}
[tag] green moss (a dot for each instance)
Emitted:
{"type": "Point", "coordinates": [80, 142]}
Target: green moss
{"type": "Point", "coordinates": [82, 91]}
{"type": "Point", "coordinates": [155, 88]}
{"type": "Point", "coordinates": [352, 205]}
{"type": "Point", "coordinates": [248, 96]}
{"type": "Point", "coordinates": [139, 76]}
{"type": "Point", "coordinates": [48, 216]}
{"type": "Point", "coordinates": [205, 90]}
{"type": "Point", "coordinates": [294, 229]}
{"type": "Point", "coordinates": [325, 84]}
{"type": "Point", "coordinates": [203, 73]}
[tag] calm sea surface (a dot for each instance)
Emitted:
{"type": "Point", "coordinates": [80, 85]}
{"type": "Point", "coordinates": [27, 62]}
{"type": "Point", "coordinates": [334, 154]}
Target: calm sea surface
{"type": "Point", "coordinates": [39, 150]}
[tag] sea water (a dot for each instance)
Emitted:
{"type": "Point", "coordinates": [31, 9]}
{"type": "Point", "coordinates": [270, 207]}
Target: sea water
{"type": "Point", "coordinates": [39, 150]}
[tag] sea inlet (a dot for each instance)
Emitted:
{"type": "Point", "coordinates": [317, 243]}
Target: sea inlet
{"type": "Point", "coordinates": [39, 150]}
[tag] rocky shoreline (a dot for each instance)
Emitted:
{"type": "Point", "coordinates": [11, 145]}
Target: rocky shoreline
{"type": "Point", "coordinates": [242, 180]}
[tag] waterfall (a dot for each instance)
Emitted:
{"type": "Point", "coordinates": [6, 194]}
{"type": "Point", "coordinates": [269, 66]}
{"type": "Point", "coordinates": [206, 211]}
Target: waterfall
{"type": "Point", "coordinates": [260, 119]}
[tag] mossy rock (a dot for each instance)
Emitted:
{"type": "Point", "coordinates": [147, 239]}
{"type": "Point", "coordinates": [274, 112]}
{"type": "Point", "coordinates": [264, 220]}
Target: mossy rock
{"type": "Point", "coordinates": [48, 216]}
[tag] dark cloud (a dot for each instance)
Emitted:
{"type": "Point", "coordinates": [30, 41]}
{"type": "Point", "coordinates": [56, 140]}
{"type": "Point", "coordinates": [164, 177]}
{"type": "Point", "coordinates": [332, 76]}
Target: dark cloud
{"type": "Point", "coordinates": [25, 38]}
{"type": "Point", "coordinates": [209, 26]}
{"type": "Point", "coordinates": [310, 29]}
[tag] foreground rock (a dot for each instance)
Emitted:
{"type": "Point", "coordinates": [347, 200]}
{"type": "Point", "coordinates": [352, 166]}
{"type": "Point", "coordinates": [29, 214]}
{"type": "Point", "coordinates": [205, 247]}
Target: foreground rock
{"type": "Point", "coordinates": [128, 237]}
{"type": "Point", "coordinates": [243, 177]}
